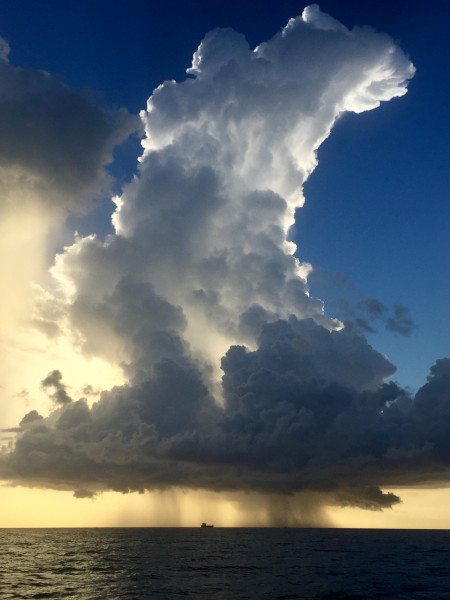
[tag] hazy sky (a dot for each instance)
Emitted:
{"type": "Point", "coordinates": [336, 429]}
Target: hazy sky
{"type": "Point", "coordinates": [224, 263]}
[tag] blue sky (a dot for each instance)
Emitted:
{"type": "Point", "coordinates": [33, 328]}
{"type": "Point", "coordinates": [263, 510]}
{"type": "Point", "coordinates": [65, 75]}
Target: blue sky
{"type": "Point", "coordinates": [376, 213]}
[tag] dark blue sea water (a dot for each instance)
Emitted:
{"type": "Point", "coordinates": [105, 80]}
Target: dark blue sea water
{"type": "Point", "coordinates": [158, 563]}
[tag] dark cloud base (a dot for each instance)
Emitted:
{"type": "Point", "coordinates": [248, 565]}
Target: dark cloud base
{"type": "Point", "coordinates": [291, 422]}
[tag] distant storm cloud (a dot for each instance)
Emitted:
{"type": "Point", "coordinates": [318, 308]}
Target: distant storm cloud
{"type": "Point", "coordinates": [370, 313]}
{"type": "Point", "coordinates": [401, 321]}
{"type": "Point", "coordinates": [53, 383]}
{"type": "Point", "coordinates": [365, 315]}
{"type": "Point", "coordinates": [55, 142]}
{"type": "Point", "coordinates": [236, 378]}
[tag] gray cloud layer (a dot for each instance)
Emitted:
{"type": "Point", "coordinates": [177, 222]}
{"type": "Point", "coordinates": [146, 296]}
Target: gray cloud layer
{"type": "Point", "coordinates": [236, 378]}
{"type": "Point", "coordinates": [288, 425]}
{"type": "Point", "coordinates": [55, 142]}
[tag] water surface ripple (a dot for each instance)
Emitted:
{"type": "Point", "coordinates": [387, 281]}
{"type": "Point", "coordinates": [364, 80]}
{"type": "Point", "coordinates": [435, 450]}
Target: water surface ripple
{"type": "Point", "coordinates": [279, 564]}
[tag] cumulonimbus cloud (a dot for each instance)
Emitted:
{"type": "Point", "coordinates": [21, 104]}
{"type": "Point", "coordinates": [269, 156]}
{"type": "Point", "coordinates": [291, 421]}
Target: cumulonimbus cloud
{"type": "Point", "coordinates": [236, 379]}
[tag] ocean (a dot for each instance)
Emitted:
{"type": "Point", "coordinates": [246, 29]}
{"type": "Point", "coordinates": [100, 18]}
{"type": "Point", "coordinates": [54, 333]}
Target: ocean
{"type": "Point", "coordinates": [216, 563]}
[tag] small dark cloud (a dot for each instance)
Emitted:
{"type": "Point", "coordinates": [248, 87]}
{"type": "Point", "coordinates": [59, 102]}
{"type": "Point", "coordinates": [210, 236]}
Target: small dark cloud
{"type": "Point", "coordinates": [401, 321]}
{"type": "Point", "coordinates": [372, 306]}
{"type": "Point", "coordinates": [31, 417]}
{"type": "Point", "coordinates": [82, 493]}
{"type": "Point", "coordinates": [53, 382]}
{"type": "Point", "coordinates": [364, 314]}
{"type": "Point", "coordinates": [363, 325]}
{"type": "Point", "coordinates": [89, 390]}
{"type": "Point", "coordinates": [369, 497]}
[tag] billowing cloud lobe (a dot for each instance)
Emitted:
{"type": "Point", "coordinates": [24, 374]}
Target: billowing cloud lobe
{"type": "Point", "coordinates": [236, 379]}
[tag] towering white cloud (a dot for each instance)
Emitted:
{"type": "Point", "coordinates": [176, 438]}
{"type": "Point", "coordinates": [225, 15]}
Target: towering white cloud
{"type": "Point", "coordinates": [235, 377]}
{"type": "Point", "coordinates": [225, 156]}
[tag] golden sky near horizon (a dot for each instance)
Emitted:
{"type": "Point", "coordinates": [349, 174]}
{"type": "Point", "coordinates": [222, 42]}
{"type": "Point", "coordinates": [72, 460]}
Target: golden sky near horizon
{"type": "Point", "coordinates": [25, 507]}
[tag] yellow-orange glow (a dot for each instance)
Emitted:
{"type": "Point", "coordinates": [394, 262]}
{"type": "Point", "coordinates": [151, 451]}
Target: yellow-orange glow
{"type": "Point", "coordinates": [23, 507]}
{"type": "Point", "coordinates": [420, 509]}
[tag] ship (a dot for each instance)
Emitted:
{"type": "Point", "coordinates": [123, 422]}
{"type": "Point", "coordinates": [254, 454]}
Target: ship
{"type": "Point", "coordinates": [205, 525]}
